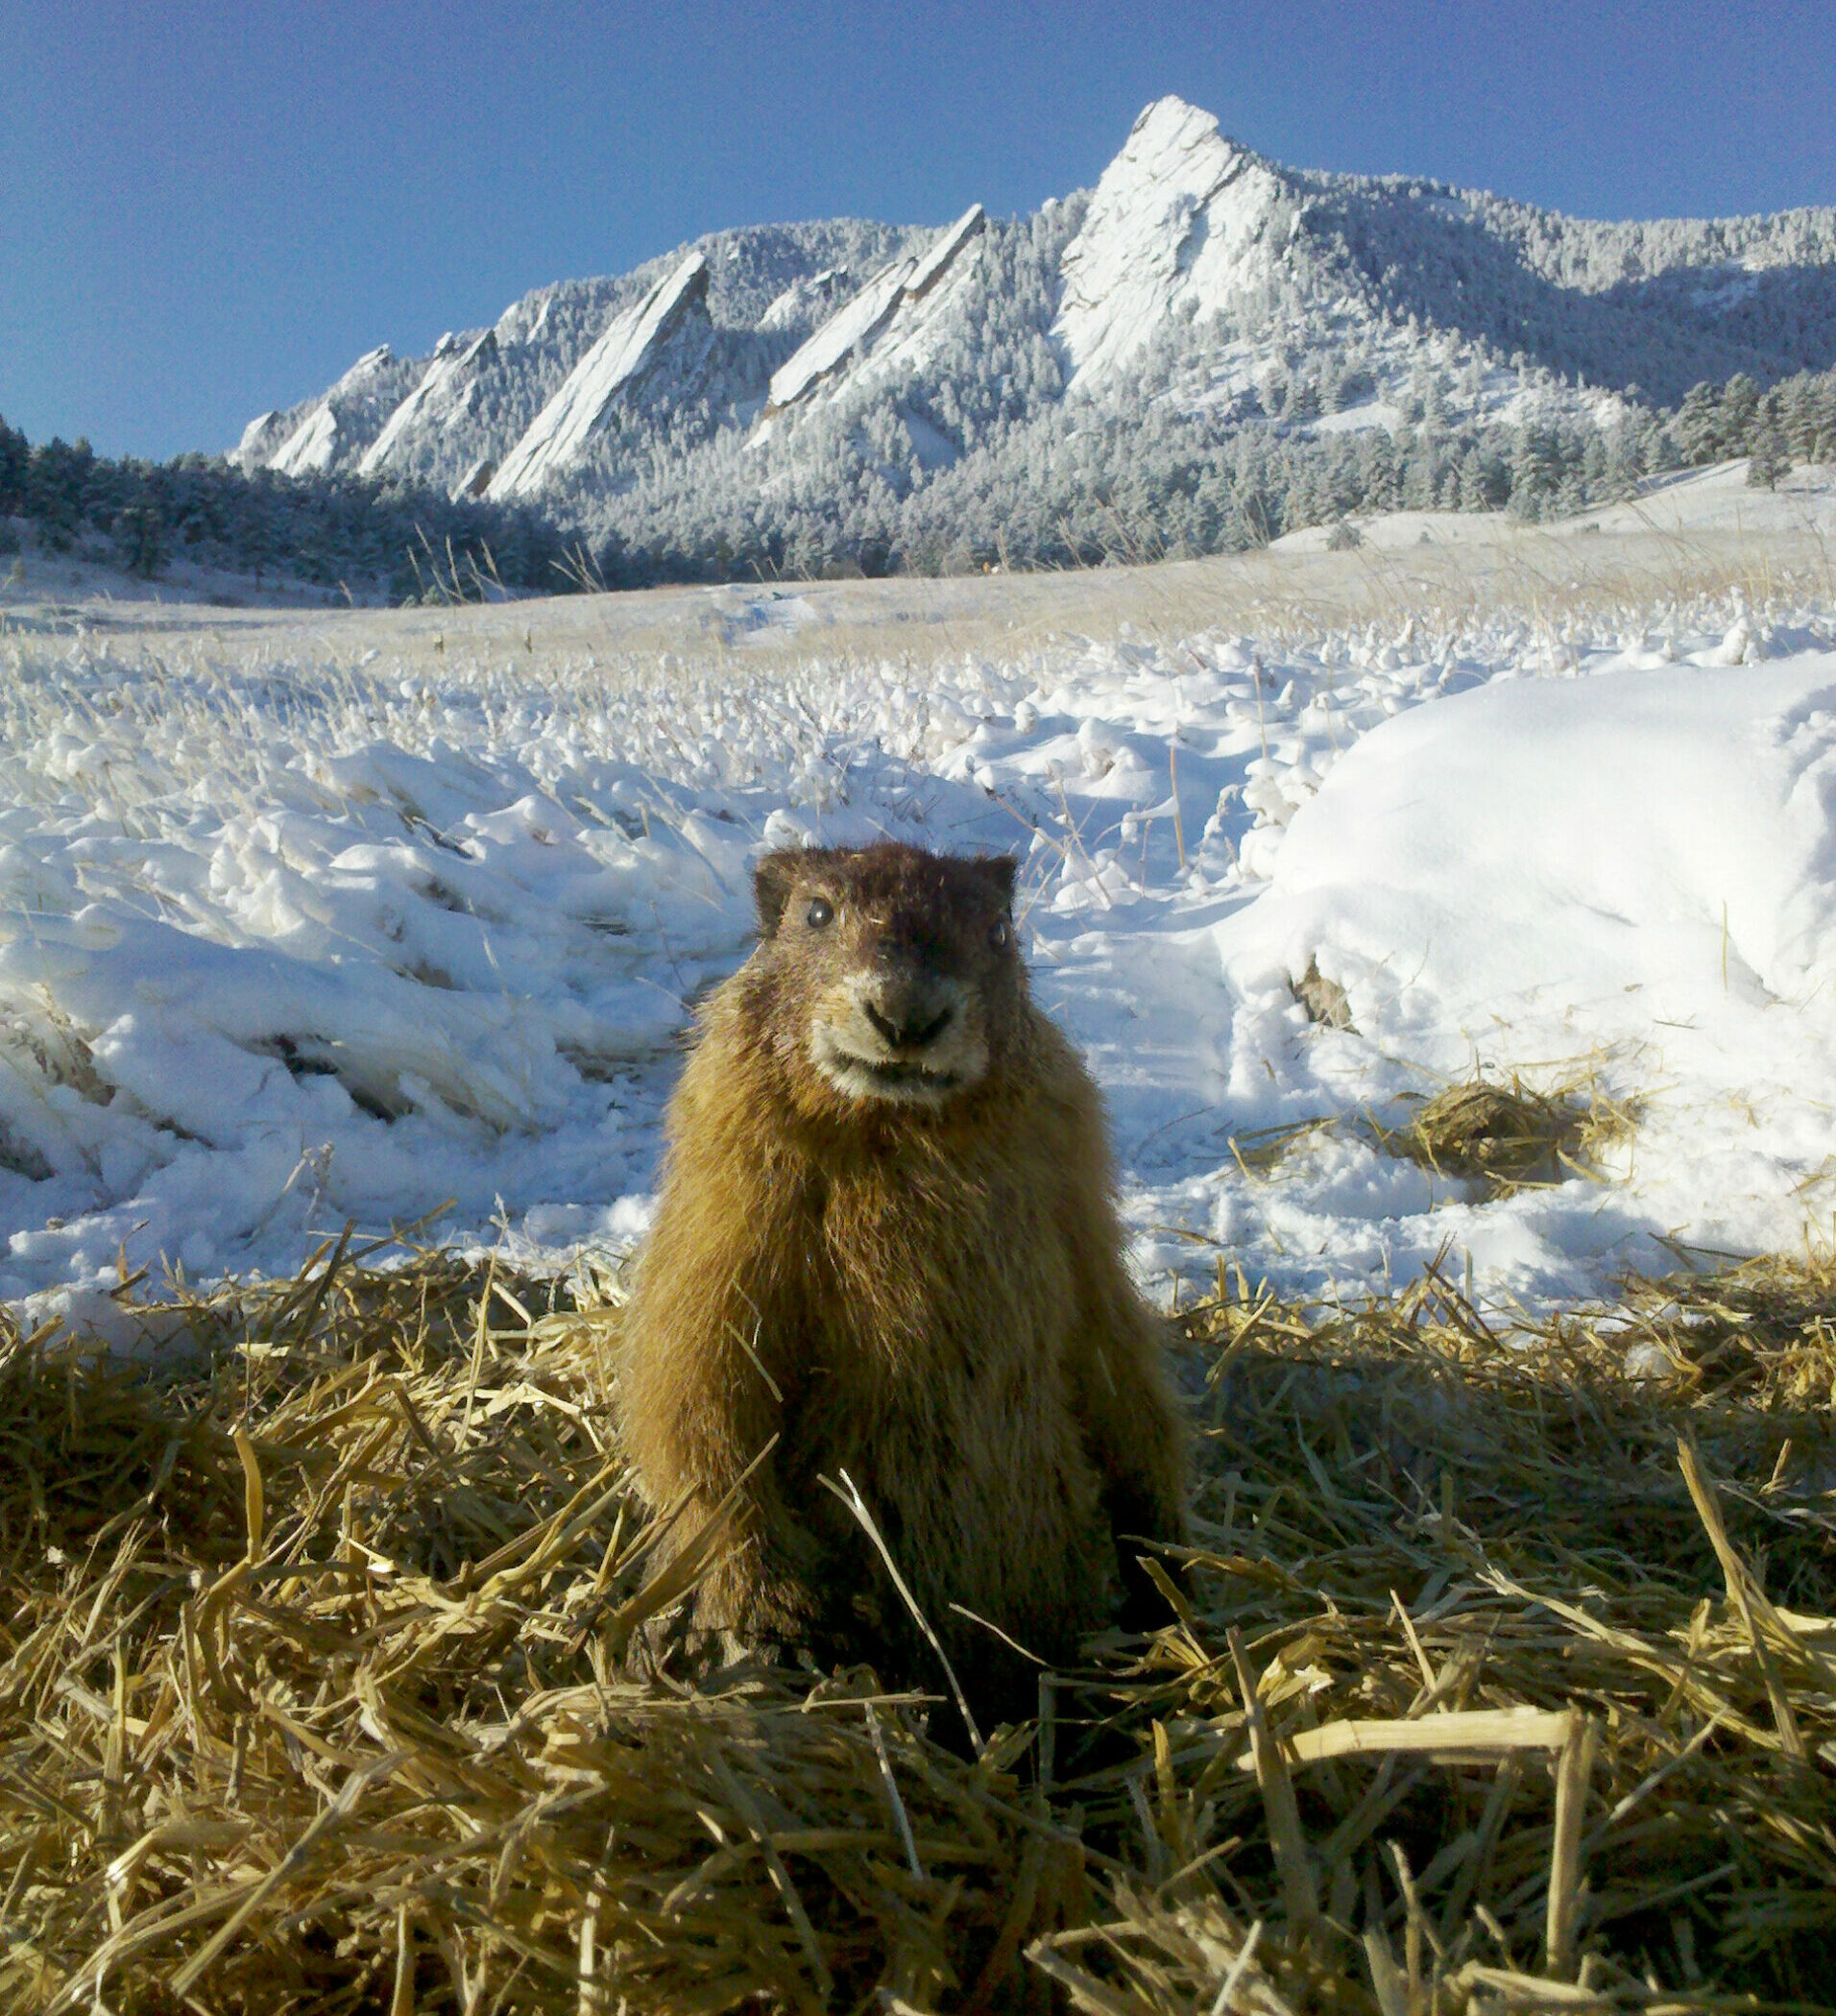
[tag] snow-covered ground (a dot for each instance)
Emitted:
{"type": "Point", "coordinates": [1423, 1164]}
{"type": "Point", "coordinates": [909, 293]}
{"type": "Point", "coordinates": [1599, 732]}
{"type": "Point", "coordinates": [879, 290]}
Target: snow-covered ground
{"type": "Point", "coordinates": [34, 578]}
{"type": "Point", "coordinates": [301, 926]}
{"type": "Point", "coordinates": [1689, 502]}
{"type": "Point", "coordinates": [1719, 499]}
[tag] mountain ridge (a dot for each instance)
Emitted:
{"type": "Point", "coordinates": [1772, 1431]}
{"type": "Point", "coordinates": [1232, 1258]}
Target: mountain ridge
{"type": "Point", "coordinates": [825, 374]}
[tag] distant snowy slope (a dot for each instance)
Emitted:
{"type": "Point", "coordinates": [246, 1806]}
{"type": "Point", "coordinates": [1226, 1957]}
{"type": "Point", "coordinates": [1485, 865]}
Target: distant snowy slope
{"type": "Point", "coordinates": [1185, 226]}
{"type": "Point", "coordinates": [784, 415]}
{"type": "Point", "coordinates": [260, 440]}
{"type": "Point", "coordinates": [312, 448]}
{"type": "Point", "coordinates": [849, 330]}
{"type": "Point", "coordinates": [1659, 304]}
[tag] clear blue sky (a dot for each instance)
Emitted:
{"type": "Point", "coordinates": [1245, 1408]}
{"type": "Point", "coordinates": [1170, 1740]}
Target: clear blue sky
{"type": "Point", "coordinates": [207, 209]}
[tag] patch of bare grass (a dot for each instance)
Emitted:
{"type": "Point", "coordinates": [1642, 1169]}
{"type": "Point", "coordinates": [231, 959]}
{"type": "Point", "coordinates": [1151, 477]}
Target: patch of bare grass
{"type": "Point", "coordinates": [1502, 1136]}
{"type": "Point", "coordinates": [1510, 1136]}
{"type": "Point", "coordinates": [1501, 1674]}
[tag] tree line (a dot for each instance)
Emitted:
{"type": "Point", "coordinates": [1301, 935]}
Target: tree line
{"type": "Point", "coordinates": [374, 538]}
{"type": "Point", "coordinates": [1059, 485]}
{"type": "Point", "coordinates": [1140, 479]}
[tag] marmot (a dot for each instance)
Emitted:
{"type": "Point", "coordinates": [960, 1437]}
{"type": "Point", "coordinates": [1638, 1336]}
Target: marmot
{"type": "Point", "coordinates": [887, 1236]}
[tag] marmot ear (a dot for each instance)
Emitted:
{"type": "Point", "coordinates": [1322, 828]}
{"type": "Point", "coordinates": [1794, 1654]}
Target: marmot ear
{"type": "Point", "coordinates": [998, 870]}
{"type": "Point", "coordinates": [771, 881]}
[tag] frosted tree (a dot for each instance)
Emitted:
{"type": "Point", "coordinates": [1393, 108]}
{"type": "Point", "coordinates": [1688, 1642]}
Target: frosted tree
{"type": "Point", "coordinates": [1767, 461]}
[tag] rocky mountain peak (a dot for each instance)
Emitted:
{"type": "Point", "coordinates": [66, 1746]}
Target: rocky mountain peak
{"type": "Point", "coordinates": [1181, 217]}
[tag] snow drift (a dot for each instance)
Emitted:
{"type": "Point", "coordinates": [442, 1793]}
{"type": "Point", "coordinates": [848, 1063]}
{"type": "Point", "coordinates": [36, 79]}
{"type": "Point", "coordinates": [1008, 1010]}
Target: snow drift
{"type": "Point", "coordinates": [288, 944]}
{"type": "Point", "coordinates": [1638, 871]}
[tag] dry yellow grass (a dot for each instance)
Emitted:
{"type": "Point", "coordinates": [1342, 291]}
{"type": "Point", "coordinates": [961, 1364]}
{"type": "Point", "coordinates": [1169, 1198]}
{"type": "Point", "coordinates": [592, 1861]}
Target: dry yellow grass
{"type": "Point", "coordinates": [1550, 576]}
{"type": "Point", "coordinates": [1499, 1677]}
{"type": "Point", "coordinates": [1511, 1137]}
{"type": "Point", "coordinates": [1499, 1136]}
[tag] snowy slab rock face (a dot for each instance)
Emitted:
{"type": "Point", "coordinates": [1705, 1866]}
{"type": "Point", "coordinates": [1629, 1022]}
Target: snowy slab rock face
{"type": "Point", "coordinates": [456, 365]}
{"type": "Point", "coordinates": [1181, 215]}
{"type": "Point", "coordinates": [673, 313]}
{"type": "Point", "coordinates": [264, 434]}
{"type": "Point", "coordinates": [311, 448]}
{"type": "Point", "coordinates": [344, 419]}
{"type": "Point", "coordinates": [885, 322]}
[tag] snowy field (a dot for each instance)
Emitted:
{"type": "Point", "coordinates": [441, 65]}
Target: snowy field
{"type": "Point", "coordinates": [357, 919]}
{"type": "Point", "coordinates": [1685, 505]}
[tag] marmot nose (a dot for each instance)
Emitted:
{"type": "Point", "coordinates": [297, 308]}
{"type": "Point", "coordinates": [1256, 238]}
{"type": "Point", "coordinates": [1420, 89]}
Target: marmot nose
{"type": "Point", "coordinates": [909, 1025]}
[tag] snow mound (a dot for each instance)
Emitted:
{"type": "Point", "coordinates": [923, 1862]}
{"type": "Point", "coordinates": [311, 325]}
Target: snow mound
{"type": "Point", "coordinates": [1540, 836]}
{"type": "Point", "coordinates": [1641, 869]}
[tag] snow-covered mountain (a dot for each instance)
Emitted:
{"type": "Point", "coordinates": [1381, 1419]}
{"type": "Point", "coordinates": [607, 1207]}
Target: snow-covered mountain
{"type": "Point", "coordinates": [764, 374]}
{"type": "Point", "coordinates": [883, 331]}
{"type": "Point", "coordinates": [441, 419]}
{"type": "Point", "coordinates": [452, 374]}
{"type": "Point", "coordinates": [330, 433]}
{"type": "Point", "coordinates": [667, 330]}
{"type": "Point", "coordinates": [1183, 222]}
{"type": "Point", "coordinates": [1202, 247]}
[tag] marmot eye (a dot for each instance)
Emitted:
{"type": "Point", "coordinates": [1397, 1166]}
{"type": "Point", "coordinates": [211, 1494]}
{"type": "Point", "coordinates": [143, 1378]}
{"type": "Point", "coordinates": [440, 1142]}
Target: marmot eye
{"type": "Point", "coordinates": [821, 912]}
{"type": "Point", "coordinates": [1001, 934]}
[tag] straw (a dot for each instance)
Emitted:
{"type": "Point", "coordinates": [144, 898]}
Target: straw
{"type": "Point", "coordinates": [1501, 1675]}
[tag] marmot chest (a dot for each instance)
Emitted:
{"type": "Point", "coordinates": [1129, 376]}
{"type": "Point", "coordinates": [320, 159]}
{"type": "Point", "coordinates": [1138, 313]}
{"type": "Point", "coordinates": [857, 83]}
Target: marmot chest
{"type": "Point", "coordinates": [946, 1267]}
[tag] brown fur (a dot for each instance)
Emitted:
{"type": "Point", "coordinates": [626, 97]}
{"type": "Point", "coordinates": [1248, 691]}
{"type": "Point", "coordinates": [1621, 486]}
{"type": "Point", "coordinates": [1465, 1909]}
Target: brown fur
{"type": "Point", "coordinates": [931, 1279]}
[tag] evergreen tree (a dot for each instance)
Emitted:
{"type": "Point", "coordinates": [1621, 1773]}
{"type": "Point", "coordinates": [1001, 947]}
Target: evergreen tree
{"type": "Point", "coordinates": [1740, 415]}
{"type": "Point", "coordinates": [139, 537]}
{"type": "Point", "coordinates": [1767, 461]}
{"type": "Point", "coordinates": [1535, 471]}
{"type": "Point", "coordinates": [15, 457]}
{"type": "Point", "coordinates": [1698, 425]}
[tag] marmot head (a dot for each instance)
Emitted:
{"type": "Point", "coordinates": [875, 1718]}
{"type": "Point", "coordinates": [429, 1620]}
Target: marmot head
{"type": "Point", "coordinates": [908, 982]}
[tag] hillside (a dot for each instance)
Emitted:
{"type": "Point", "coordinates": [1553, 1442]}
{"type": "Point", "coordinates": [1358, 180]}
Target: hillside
{"type": "Point", "coordinates": [440, 419]}
{"type": "Point", "coordinates": [1200, 326]}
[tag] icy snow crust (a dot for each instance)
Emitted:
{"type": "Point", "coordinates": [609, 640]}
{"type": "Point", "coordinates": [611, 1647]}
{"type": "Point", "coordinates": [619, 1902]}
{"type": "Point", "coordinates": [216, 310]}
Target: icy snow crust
{"type": "Point", "coordinates": [286, 944]}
